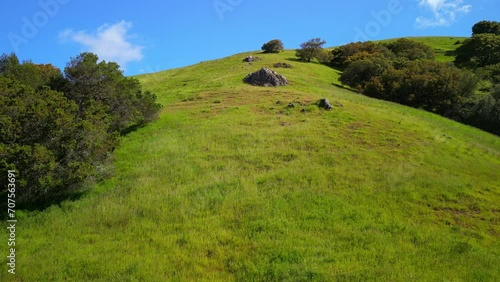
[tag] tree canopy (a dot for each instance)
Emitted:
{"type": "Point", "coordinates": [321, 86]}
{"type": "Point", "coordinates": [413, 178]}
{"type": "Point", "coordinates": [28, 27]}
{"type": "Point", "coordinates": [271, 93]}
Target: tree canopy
{"type": "Point", "coordinates": [57, 129]}
{"type": "Point", "coordinates": [410, 49]}
{"type": "Point", "coordinates": [310, 49]}
{"type": "Point", "coordinates": [479, 51]}
{"type": "Point", "coordinates": [273, 46]}
{"type": "Point", "coordinates": [483, 27]}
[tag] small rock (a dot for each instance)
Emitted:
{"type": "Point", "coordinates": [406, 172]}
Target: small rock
{"type": "Point", "coordinates": [248, 59]}
{"type": "Point", "coordinates": [291, 105]}
{"type": "Point", "coordinates": [251, 59]}
{"type": "Point", "coordinates": [283, 65]}
{"type": "Point", "coordinates": [324, 103]}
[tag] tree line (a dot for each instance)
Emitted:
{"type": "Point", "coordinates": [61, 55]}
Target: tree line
{"type": "Point", "coordinates": [59, 128]}
{"type": "Point", "coordinates": [406, 72]}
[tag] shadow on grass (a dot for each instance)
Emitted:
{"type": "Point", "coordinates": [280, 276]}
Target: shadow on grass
{"type": "Point", "coordinates": [132, 128]}
{"type": "Point", "coordinates": [452, 53]}
{"type": "Point", "coordinates": [338, 85]}
{"type": "Point", "coordinates": [53, 199]}
{"type": "Point", "coordinates": [297, 60]}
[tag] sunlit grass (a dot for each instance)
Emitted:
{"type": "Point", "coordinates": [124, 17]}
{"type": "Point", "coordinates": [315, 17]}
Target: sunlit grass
{"type": "Point", "coordinates": [229, 186]}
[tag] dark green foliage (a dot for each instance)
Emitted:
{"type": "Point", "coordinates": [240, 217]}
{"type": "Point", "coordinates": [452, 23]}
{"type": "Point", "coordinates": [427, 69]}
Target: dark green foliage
{"type": "Point", "coordinates": [45, 142]}
{"type": "Point", "coordinates": [102, 85]}
{"type": "Point", "coordinates": [360, 72]}
{"type": "Point", "coordinates": [495, 92]}
{"type": "Point", "coordinates": [273, 46]}
{"type": "Point", "coordinates": [56, 130]}
{"type": "Point", "coordinates": [482, 112]}
{"type": "Point", "coordinates": [324, 56]}
{"type": "Point", "coordinates": [7, 63]}
{"type": "Point", "coordinates": [483, 48]}
{"type": "Point", "coordinates": [347, 54]}
{"type": "Point", "coordinates": [425, 84]}
{"type": "Point", "coordinates": [28, 73]}
{"type": "Point", "coordinates": [410, 49]}
{"type": "Point", "coordinates": [479, 51]}
{"type": "Point", "coordinates": [483, 27]}
{"type": "Point", "coordinates": [401, 49]}
{"type": "Point", "coordinates": [404, 71]}
{"type": "Point", "coordinates": [310, 49]}
{"type": "Point", "coordinates": [492, 73]}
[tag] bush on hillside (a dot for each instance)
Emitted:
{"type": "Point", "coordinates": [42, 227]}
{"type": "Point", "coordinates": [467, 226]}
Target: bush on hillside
{"type": "Point", "coordinates": [56, 129]}
{"type": "Point", "coordinates": [310, 49]}
{"type": "Point", "coordinates": [344, 55]}
{"type": "Point", "coordinates": [324, 56]}
{"type": "Point", "coordinates": [273, 46]}
{"type": "Point", "coordinates": [484, 27]}
{"type": "Point", "coordinates": [479, 51]}
{"type": "Point", "coordinates": [425, 84]}
{"type": "Point", "coordinates": [403, 48]}
{"type": "Point", "coordinates": [405, 71]}
{"type": "Point", "coordinates": [410, 49]}
{"type": "Point", "coordinates": [90, 83]}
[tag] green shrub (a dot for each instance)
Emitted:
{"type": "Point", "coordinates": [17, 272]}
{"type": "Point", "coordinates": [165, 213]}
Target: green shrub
{"type": "Point", "coordinates": [273, 46]}
{"type": "Point", "coordinates": [56, 130]}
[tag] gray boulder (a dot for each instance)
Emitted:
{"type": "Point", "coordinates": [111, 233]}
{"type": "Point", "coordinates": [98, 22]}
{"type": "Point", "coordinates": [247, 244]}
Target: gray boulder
{"type": "Point", "coordinates": [324, 103]}
{"type": "Point", "coordinates": [283, 65]}
{"type": "Point", "coordinates": [251, 59]}
{"type": "Point", "coordinates": [265, 77]}
{"type": "Point", "coordinates": [248, 59]}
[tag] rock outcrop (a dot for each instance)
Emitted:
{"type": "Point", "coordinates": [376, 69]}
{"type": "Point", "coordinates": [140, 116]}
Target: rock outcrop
{"type": "Point", "coordinates": [265, 77]}
{"type": "Point", "coordinates": [283, 65]}
{"type": "Point", "coordinates": [251, 59]}
{"type": "Point", "coordinates": [324, 103]}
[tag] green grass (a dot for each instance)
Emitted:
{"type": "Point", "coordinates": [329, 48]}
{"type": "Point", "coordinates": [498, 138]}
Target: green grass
{"type": "Point", "coordinates": [229, 186]}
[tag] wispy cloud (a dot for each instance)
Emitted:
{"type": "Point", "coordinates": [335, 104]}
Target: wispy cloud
{"type": "Point", "coordinates": [109, 42]}
{"type": "Point", "coordinates": [445, 12]}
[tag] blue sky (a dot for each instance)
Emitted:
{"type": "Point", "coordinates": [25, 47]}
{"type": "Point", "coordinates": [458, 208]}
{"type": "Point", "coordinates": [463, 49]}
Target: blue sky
{"type": "Point", "coordinates": [149, 35]}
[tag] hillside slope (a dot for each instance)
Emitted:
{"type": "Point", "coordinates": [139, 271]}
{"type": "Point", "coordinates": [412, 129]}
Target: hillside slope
{"type": "Point", "coordinates": [229, 186]}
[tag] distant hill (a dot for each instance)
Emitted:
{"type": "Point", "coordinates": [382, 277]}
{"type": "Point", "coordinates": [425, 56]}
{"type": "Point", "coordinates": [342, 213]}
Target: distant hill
{"type": "Point", "coordinates": [230, 185]}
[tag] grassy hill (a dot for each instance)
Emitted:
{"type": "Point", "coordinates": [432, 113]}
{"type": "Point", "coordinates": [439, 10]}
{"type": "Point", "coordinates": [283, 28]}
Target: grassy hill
{"type": "Point", "coordinates": [229, 186]}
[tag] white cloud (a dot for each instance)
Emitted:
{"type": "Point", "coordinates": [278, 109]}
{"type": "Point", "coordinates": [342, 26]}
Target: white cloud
{"type": "Point", "coordinates": [445, 12]}
{"type": "Point", "coordinates": [110, 43]}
